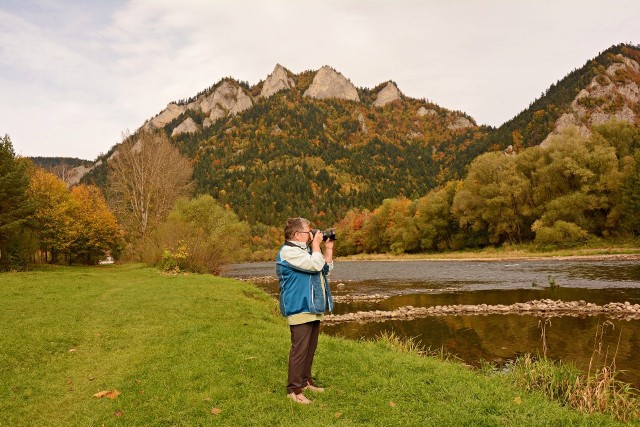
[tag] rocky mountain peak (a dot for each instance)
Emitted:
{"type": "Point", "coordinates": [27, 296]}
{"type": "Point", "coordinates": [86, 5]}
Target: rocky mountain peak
{"type": "Point", "coordinates": [276, 81]}
{"type": "Point", "coordinates": [612, 93]}
{"type": "Point", "coordinates": [388, 94]}
{"type": "Point", "coordinates": [459, 122]}
{"type": "Point", "coordinates": [329, 83]}
{"type": "Point", "coordinates": [227, 99]}
{"type": "Point", "coordinates": [172, 111]}
{"type": "Point", "coordinates": [187, 126]}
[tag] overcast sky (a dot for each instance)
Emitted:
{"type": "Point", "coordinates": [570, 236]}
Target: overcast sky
{"type": "Point", "coordinates": [75, 74]}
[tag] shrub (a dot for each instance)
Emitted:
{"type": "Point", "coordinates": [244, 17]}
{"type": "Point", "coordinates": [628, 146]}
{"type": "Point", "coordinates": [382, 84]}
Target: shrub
{"type": "Point", "coordinates": [562, 233]}
{"type": "Point", "coordinates": [199, 236]}
{"type": "Point", "coordinates": [174, 260]}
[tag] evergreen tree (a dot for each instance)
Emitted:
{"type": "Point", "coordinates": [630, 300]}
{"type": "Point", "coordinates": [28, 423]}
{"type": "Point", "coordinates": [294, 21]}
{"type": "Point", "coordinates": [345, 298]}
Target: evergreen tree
{"type": "Point", "coordinates": [14, 203]}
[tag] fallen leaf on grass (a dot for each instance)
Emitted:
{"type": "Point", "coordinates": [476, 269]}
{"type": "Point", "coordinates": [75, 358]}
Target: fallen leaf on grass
{"type": "Point", "coordinates": [119, 413]}
{"type": "Point", "coordinates": [216, 411]}
{"type": "Point", "coordinates": [111, 394]}
{"type": "Point", "coordinates": [338, 414]}
{"type": "Point", "coordinates": [72, 350]}
{"type": "Point", "coordinates": [392, 404]}
{"type": "Point", "coordinates": [517, 400]}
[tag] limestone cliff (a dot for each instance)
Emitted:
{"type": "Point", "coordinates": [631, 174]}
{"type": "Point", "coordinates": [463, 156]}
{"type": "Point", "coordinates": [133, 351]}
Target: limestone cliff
{"type": "Point", "coordinates": [459, 122]}
{"type": "Point", "coordinates": [187, 126]}
{"type": "Point", "coordinates": [227, 99]}
{"type": "Point", "coordinates": [612, 93]}
{"type": "Point", "coordinates": [276, 81]}
{"type": "Point", "coordinates": [172, 111]}
{"type": "Point", "coordinates": [387, 95]}
{"type": "Point", "coordinates": [329, 83]}
{"type": "Point", "coordinates": [426, 112]}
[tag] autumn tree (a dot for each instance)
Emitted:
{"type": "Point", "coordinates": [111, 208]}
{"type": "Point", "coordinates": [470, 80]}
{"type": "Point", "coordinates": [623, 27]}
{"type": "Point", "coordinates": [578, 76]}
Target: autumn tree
{"type": "Point", "coordinates": [622, 135]}
{"type": "Point", "coordinates": [94, 230]}
{"type": "Point", "coordinates": [51, 218]}
{"type": "Point", "coordinates": [71, 226]}
{"type": "Point", "coordinates": [435, 224]}
{"type": "Point", "coordinates": [390, 227]}
{"type": "Point", "coordinates": [147, 174]}
{"type": "Point", "coordinates": [495, 199]}
{"type": "Point", "coordinates": [14, 202]}
{"type": "Point", "coordinates": [401, 232]}
{"type": "Point", "coordinates": [576, 181]}
{"type": "Point", "coordinates": [350, 232]}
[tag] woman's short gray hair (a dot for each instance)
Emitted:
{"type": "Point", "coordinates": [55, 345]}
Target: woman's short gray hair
{"type": "Point", "coordinates": [294, 225]}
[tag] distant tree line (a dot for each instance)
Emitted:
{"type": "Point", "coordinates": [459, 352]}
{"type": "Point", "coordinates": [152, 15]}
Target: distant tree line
{"type": "Point", "coordinates": [572, 189]}
{"type": "Point", "coordinates": [148, 215]}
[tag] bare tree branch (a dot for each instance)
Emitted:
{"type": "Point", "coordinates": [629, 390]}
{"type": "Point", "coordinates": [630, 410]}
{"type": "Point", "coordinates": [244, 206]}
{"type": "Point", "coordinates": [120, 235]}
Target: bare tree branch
{"type": "Point", "coordinates": [146, 176]}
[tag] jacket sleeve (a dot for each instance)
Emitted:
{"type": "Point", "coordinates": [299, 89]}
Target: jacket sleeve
{"type": "Point", "coordinates": [302, 260]}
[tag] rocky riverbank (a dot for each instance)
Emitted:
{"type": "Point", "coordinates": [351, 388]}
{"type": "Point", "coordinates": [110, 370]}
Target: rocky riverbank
{"type": "Point", "coordinates": [539, 308]}
{"type": "Point", "coordinates": [345, 299]}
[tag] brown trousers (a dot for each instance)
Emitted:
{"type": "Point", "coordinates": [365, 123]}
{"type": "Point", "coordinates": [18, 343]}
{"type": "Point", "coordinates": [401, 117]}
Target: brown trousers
{"type": "Point", "coordinates": [304, 340]}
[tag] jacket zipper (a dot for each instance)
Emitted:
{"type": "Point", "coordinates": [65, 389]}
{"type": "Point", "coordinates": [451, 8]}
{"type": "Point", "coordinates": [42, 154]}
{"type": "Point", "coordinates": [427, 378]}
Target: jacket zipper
{"type": "Point", "coordinates": [311, 288]}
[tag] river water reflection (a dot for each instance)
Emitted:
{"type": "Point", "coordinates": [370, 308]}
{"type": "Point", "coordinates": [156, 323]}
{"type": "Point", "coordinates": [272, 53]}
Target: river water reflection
{"type": "Point", "coordinates": [496, 338]}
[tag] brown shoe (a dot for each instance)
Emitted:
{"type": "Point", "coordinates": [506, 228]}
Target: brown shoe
{"type": "Point", "coordinates": [313, 388]}
{"type": "Point", "coordinates": [299, 398]}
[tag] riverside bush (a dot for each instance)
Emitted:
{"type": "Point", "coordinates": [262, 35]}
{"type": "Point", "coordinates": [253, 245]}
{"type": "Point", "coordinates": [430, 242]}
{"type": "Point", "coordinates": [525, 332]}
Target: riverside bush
{"type": "Point", "coordinates": [199, 236]}
{"type": "Point", "coordinates": [174, 260]}
{"type": "Point", "coordinates": [561, 234]}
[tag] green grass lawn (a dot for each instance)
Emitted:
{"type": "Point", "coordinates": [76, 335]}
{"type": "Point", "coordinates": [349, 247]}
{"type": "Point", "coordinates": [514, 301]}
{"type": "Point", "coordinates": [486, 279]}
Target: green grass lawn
{"type": "Point", "coordinates": [176, 347]}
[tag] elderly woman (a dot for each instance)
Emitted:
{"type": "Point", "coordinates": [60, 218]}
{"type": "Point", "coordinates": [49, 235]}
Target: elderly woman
{"type": "Point", "coordinates": [304, 297]}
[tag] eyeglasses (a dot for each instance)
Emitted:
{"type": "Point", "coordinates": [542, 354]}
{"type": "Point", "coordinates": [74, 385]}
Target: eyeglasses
{"type": "Point", "coordinates": [303, 232]}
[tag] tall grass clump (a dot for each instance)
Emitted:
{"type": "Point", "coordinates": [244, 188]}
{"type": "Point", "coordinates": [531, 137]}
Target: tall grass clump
{"type": "Point", "coordinates": [597, 390]}
{"type": "Point", "coordinates": [413, 346]}
{"type": "Point", "coordinates": [401, 344]}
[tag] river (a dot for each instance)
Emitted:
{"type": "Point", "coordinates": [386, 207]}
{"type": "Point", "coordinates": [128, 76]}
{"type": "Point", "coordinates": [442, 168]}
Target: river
{"type": "Point", "coordinates": [496, 338]}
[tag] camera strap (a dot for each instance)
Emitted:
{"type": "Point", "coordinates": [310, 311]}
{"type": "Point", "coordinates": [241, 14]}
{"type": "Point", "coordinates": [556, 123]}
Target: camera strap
{"type": "Point", "coordinates": [293, 245]}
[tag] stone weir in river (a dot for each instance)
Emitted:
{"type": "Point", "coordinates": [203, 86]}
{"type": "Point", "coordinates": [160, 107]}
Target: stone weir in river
{"type": "Point", "coordinates": [540, 308]}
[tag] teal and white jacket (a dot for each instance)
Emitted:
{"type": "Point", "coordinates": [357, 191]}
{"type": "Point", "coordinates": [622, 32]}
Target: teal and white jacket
{"type": "Point", "coordinates": [301, 277]}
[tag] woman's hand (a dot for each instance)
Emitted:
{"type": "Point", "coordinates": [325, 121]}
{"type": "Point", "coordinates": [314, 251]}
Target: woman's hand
{"type": "Point", "coordinates": [315, 243]}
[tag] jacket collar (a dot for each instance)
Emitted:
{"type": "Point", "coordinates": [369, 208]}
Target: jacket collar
{"type": "Point", "coordinates": [301, 245]}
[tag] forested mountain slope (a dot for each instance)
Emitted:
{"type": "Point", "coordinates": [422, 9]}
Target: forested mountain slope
{"type": "Point", "coordinates": [606, 86]}
{"type": "Point", "coordinates": [316, 146]}
{"type": "Point", "coordinates": [313, 144]}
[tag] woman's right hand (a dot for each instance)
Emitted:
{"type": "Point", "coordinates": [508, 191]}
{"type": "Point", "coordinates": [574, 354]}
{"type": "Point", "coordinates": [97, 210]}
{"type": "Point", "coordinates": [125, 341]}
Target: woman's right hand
{"type": "Point", "coordinates": [315, 243]}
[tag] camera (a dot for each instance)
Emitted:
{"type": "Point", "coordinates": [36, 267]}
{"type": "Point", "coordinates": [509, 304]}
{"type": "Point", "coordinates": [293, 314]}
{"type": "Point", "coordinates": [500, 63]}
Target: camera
{"type": "Point", "coordinates": [326, 234]}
